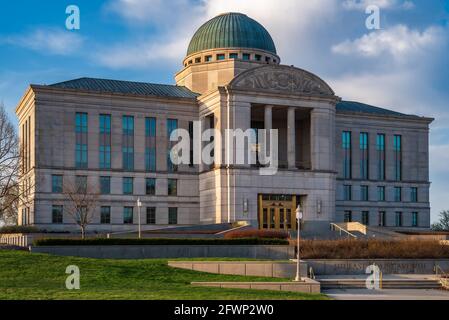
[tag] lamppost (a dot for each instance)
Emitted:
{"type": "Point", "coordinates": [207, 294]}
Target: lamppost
{"type": "Point", "coordinates": [298, 262]}
{"type": "Point", "coordinates": [139, 205]}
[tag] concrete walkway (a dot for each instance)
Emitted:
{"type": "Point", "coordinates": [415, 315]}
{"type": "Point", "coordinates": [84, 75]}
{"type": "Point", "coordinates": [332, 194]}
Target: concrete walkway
{"type": "Point", "coordinates": [387, 294]}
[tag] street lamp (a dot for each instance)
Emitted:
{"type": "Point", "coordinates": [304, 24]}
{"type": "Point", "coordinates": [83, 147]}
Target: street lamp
{"type": "Point", "coordinates": [298, 266]}
{"type": "Point", "coordinates": [139, 205]}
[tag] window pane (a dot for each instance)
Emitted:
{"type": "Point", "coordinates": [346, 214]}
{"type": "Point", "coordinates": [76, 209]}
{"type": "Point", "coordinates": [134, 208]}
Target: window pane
{"type": "Point", "coordinates": [172, 215]}
{"type": "Point", "coordinates": [172, 187]}
{"type": "Point", "coordinates": [57, 184]}
{"type": "Point", "coordinates": [57, 214]}
{"type": "Point", "coordinates": [128, 215]}
{"type": "Point", "coordinates": [105, 215]}
{"type": "Point", "coordinates": [128, 185]}
{"type": "Point", "coordinates": [105, 185]}
{"type": "Point", "coordinates": [150, 186]}
{"type": "Point", "coordinates": [151, 215]}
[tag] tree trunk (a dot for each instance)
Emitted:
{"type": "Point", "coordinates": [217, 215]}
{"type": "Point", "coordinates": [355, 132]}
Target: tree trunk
{"type": "Point", "coordinates": [83, 233]}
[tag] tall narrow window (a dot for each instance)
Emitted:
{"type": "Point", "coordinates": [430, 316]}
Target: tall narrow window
{"type": "Point", "coordinates": [347, 190]}
{"type": "Point", "coordinates": [172, 215]}
{"type": "Point", "coordinates": [414, 194]}
{"type": "Point", "coordinates": [348, 216]}
{"type": "Point", "coordinates": [364, 194]}
{"type": "Point", "coordinates": [397, 147]}
{"type": "Point", "coordinates": [380, 147]}
{"type": "Point", "coordinates": [364, 156]}
{"type": "Point", "coordinates": [150, 144]}
{"type": "Point", "coordinates": [105, 141]}
{"type": "Point", "coordinates": [105, 185]}
{"type": "Point", "coordinates": [81, 140]}
{"type": "Point", "coordinates": [57, 214]}
{"type": "Point", "coordinates": [128, 186]}
{"type": "Point", "coordinates": [151, 215]}
{"type": "Point", "coordinates": [172, 187]}
{"type": "Point", "coordinates": [381, 193]}
{"type": "Point", "coordinates": [397, 194]}
{"type": "Point", "coordinates": [128, 143]}
{"type": "Point", "coordinates": [365, 218]}
{"type": "Point", "coordinates": [347, 161]}
{"type": "Point", "coordinates": [105, 217]}
{"type": "Point", "coordinates": [81, 184]}
{"type": "Point", "coordinates": [56, 183]}
{"type": "Point", "coordinates": [150, 186]}
{"type": "Point", "coordinates": [172, 125]}
{"type": "Point", "coordinates": [414, 219]}
{"type": "Point", "coordinates": [128, 215]}
{"type": "Point", "coordinates": [398, 219]}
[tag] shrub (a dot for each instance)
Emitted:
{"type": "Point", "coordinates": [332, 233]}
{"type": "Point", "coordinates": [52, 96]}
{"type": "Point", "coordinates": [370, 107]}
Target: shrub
{"type": "Point", "coordinates": [258, 234]}
{"type": "Point", "coordinates": [19, 229]}
{"type": "Point", "coordinates": [155, 241]}
{"type": "Point", "coordinates": [373, 249]}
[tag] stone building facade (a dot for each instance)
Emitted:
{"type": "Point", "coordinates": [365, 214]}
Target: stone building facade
{"type": "Point", "coordinates": [339, 160]}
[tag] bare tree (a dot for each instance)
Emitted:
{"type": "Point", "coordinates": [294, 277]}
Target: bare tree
{"type": "Point", "coordinates": [10, 194]}
{"type": "Point", "coordinates": [443, 223]}
{"type": "Point", "coordinates": [81, 202]}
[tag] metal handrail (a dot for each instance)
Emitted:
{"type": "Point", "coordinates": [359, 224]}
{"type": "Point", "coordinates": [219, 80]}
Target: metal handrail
{"type": "Point", "coordinates": [335, 226]}
{"type": "Point", "coordinates": [443, 276]}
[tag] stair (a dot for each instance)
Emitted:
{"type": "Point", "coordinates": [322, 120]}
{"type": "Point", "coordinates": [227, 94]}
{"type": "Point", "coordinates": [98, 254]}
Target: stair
{"type": "Point", "coordinates": [389, 282]}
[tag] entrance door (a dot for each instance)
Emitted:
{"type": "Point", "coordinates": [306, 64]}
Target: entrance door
{"type": "Point", "coordinates": [276, 212]}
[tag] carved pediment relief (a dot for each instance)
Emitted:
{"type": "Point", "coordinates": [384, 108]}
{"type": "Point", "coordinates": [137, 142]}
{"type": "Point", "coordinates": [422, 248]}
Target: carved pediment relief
{"type": "Point", "coordinates": [282, 78]}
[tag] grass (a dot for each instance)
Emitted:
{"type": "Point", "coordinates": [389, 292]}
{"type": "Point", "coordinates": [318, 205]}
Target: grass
{"type": "Point", "coordinates": [28, 276]}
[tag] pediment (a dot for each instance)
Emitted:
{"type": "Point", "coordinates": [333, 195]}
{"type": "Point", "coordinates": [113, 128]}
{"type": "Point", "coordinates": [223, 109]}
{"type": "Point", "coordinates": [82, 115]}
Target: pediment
{"type": "Point", "coordinates": [282, 79]}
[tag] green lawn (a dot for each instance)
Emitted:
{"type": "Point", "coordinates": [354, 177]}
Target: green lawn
{"type": "Point", "coordinates": [38, 276]}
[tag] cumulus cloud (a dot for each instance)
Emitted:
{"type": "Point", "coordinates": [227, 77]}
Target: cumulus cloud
{"type": "Point", "coordinates": [47, 41]}
{"type": "Point", "coordinates": [382, 4]}
{"type": "Point", "coordinates": [398, 41]}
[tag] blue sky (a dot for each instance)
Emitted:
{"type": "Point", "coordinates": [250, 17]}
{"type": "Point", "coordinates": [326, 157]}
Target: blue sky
{"type": "Point", "coordinates": [403, 66]}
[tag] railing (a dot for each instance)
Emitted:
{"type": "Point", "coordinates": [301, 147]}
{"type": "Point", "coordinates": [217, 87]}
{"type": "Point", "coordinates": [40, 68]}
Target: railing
{"type": "Point", "coordinates": [18, 240]}
{"type": "Point", "coordinates": [443, 277]}
{"type": "Point", "coordinates": [337, 228]}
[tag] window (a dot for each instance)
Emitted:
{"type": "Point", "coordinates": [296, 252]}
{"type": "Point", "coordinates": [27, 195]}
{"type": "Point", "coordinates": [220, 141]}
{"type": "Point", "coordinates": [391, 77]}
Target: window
{"type": "Point", "coordinates": [56, 184]}
{"type": "Point", "coordinates": [398, 219]}
{"type": "Point", "coordinates": [172, 187]}
{"type": "Point", "coordinates": [382, 218]}
{"type": "Point", "coordinates": [397, 194]}
{"type": "Point", "coordinates": [56, 214]}
{"type": "Point", "coordinates": [172, 125]}
{"type": "Point", "coordinates": [365, 218]}
{"type": "Point", "coordinates": [151, 215]}
{"type": "Point", "coordinates": [347, 193]}
{"type": "Point", "coordinates": [364, 156]}
{"type": "Point", "coordinates": [364, 193]}
{"type": "Point", "coordinates": [380, 147]}
{"type": "Point", "coordinates": [105, 141]}
{"type": "Point", "coordinates": [258, 57]}
{"type": "Point", "coordinates": [348, 216]}
{"type": "Point", "coordinates": [381, 193]}
{"type": "Point", "coordinates": [172, 215]}
{"type": "Point", "coordinates": [81, 140]}
{"type": "Point", "coordinates": [150, 186]}
{"type": "Point", "coordinates": [414, 194]}
{"type": "Point", "coordinates": [190, 62]}
{"type": "Point", "coordinates": [105, 185]}
{"type": "Point", "coordinates": [128, 186]}
{"type": "Point", "coordinates": [414, 219]}
{"type": "Point", "coordinates": [347, 161]}
{"type": "Point", "coordinates": [128, 215]}
{"type": "Point", "coordinates": [220, 56]}
{"type": "Point", "coordinates": [105, 217]}
{"type": "Point", "coordinates": [198, 60]}
{"type": "Point", "coordinates": [128, 143]}
{"type": "Point", "coordinates": [267, 59]}
{"type": "Point", "coordinates": [233, 56]}
{"type": "Point", "coordinates": [208, 58]}
{"type": "Point", "coordinates": [81, 184]}
{"type": "Point", "coordinates": [397, 147]}
{"type": "Point", "coordinates": [150, 144]}
{"type": "Point", "coordinates": [246, 56]}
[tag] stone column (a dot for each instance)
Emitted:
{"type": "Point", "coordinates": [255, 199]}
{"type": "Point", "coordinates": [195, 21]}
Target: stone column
{"type": "Point", "coordinates": [291, 138]}
{"type": "Point", "coordinates": [268, 125]}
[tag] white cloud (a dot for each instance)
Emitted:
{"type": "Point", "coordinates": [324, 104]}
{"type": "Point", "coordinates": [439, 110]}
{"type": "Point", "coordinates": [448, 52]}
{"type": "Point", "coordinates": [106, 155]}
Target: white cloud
{"type": "Point", "coordinates": [398, 41]}
{"type": "Point", "coordinates": [47, 41]}
{"type": "Point", "coordinates": [382, 4]}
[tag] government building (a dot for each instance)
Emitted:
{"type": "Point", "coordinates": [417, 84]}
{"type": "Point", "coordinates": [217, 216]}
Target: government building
{"type": "Point", "coordinates": [341, 161]}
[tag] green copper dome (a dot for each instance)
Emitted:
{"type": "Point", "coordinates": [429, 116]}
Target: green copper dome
{"type": "Point", "coordinates": [231, 30]}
